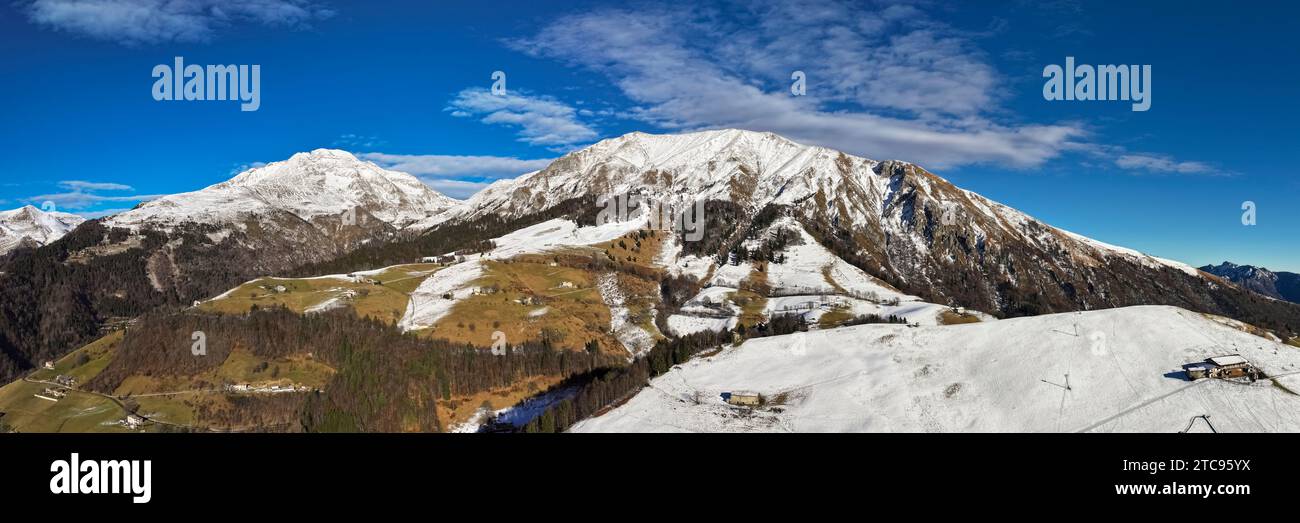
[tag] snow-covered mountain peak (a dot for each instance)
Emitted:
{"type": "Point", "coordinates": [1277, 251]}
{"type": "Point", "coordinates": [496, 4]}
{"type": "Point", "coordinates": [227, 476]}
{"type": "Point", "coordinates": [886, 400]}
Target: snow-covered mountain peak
{"type": "Point", "coordinates": [676, 151]}
{"type": "Point", "coordinates": [749, 168]}
{"type": "Point", "coordinates": [321, 167]}
{"type": "Point", "coordinates": [903, 221]}
{"type": "Point", "coordinates": [34, 225]}
{"type": "Point", "coordinates": [307, 185]}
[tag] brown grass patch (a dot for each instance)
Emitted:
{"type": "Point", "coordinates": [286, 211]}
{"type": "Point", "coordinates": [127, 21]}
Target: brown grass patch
{"type": "Point", "coordinates": [639, 247]}
{"type": "Point", "coordinates": [460, 409]}
{"type": "Point", "coordinates": [385, 300]}
{"type": "Point", "coordinates": [952, 318]}
{"type": "Point", "coordinates": [528, 300]}
{"type": "Point", "coordinates": [834, 317]}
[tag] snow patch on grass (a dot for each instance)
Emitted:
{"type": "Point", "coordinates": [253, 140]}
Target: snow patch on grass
{"type": "Point", "coordinates": [682, 325]}
{"type": "Point", "coordinates": [634, 338]}
{"type": "Point", "coordinates": [427, 302]}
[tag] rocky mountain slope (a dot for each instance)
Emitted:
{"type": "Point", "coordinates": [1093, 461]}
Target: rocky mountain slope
{"type": "Point", "coordinates": [324, 183]}
{"type": "Point", "coordinates": [311, 208]}
{"type": "Point", "coordinates": [1277, 285]}
{"type": "Point", "coordinates": [33, 227]}
{"type": "Point", "coordinates": [895, 220]}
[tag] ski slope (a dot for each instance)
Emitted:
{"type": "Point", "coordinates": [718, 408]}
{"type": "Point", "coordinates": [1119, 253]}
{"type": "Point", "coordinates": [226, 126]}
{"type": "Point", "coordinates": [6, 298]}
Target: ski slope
{"type": "Point", "coordinates": [1124, 370]}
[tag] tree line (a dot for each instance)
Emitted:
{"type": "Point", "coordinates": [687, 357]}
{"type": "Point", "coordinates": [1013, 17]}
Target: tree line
{"type": "Point", "coordinates": [605, 388]}
{"type": "Point", "coordinates": [384, 380]}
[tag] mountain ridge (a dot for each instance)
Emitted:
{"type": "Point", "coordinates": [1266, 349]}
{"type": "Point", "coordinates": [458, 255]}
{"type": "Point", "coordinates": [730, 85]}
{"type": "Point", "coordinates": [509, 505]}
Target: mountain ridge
{"type": "Point", "coordinates": [1279, 285]}
{"type": "Point", "coordinates": [309, 185]}
{"type": "Point", "coordinates": [28, 225]}
{"type": "Point", "coordinates": [894, 218]}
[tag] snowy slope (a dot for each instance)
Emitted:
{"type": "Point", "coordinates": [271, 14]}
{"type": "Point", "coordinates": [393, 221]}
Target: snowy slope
{"type": "Point", "coordinates": [756, 169]}
{"type": "Point", "coordinates": [809, 268]}
{"type": "Point", "coordinates": [323, 182]}
{"type": "Point", "coordinates": [1123, 365]}
{"type": "Point", "coordinates": [427, 302]}
{"type": "Point", "coordinates": [809, 280]}
{"type": "Point", "coordinates": [709, 165]}
{"type": "Point", "coordinates": [903, 223]}
{"type": "Point", "coordinates": [30, 223]}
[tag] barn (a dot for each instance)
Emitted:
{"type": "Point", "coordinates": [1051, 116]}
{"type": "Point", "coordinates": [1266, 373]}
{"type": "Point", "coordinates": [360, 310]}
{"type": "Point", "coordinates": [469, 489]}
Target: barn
{"type": "Point", "coordinates": [1229, 366]}
{"type": "Point", "coordinates": [743, 399]}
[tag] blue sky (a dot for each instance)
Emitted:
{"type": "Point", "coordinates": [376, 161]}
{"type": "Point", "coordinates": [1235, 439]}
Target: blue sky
{"type": "Point", "coordinates": [955, 88]}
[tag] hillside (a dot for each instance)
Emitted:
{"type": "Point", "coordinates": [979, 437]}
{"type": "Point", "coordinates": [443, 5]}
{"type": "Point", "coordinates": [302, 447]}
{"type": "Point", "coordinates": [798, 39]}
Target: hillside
{"type": "Point", "coordinates": [894, 220]}
{"type": "Point", "coordinates": [1118, 370]}
{"type": "Point", "coordinates": [312, 208]}
{"type": "Point", "coordinates": [274, 370]}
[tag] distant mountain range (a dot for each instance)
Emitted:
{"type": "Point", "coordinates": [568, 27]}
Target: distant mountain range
{"type": "Point", "coordinates": [1278, 285]}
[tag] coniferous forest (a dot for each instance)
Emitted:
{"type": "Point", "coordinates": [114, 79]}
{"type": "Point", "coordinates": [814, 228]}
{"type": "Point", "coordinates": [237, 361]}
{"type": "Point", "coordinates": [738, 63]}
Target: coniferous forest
{"type": "Point", "coordinates": [384, 380]}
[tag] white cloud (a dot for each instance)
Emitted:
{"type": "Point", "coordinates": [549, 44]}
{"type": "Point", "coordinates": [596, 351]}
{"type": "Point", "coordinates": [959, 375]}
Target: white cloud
{"type": "Point", "coordinates": [542, 120]}
{"type": "Point", "coordinates": [90, 215]}
{"type": "Point", "coordinates": [1162, 163]}
{"type": "Point", "coordinates": [83, 194]}
{"type": "Point", "coordinates": [456, 176]}
{"type": "Point", "coordinates": [447, 165]}
{"type": "Point", "coordinates": [459, 189]}
{"type": "Point", "coordinates": [886, 84]}
{"type": "Point", "coordinates": [78, 185]}
{"type": "Point", "coordinates": [152, 21]}
{"type": "Point", "coordinates": [82, 200]}
{"type": "Point", "coordinates": [245, 166]}
{"type": "Point", "coordinates": [894, 59]}
{"type": "Point", "coordinates": [358, 141]}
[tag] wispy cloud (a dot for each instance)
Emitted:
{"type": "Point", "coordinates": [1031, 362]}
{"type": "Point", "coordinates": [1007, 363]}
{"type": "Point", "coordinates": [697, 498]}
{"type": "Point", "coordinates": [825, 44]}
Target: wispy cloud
{"type": "Point", "coordinates": [448, 165]}
{"type": "Point", "coordinates": [90, 215]}
{"type": "Point", "coordinates": [456, 176]}
{"type": "Point", "coordinates": [541, 120]}
{"type": "Point", "coordinates": [152, 21]}
{"type": "Point", "coordinates": [358, 141]}
{"type": "Point", "coordinates": [239, 168]}
{"type": "Point", "coordinates": [458, 189]}
{"type": "Point", "coordinates": [1163, 164]}
{"type": "Point", "coordinates": [79, 185]}
{"type": "Point", "coordinates": [888, 83]}
{"type": "Point", "coordinates": [82, 194]}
